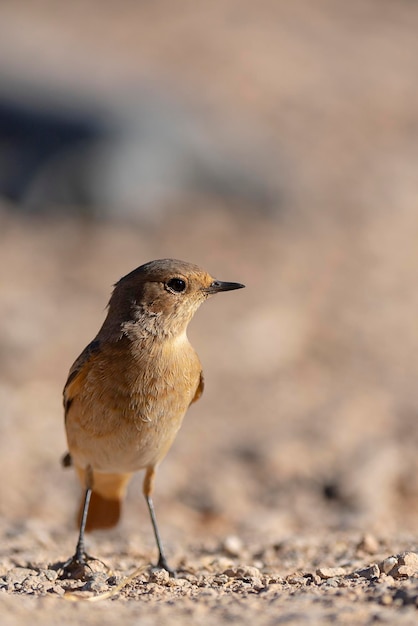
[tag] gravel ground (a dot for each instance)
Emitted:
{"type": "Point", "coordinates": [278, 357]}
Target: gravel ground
{"type": "Point", "coordinates": [293, 582]}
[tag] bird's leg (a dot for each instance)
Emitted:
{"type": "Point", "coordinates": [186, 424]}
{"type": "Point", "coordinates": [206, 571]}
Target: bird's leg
{"type": "Point", "coordinates": [147, 490]}
{"type": "Point", "coordinates": [79, 551]}
{"type": "Point", "coordinates": [76, 566]}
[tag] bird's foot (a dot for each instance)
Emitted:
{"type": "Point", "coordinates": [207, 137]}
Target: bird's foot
{"type": "Point", "coordinates": [162, 564]}
{"type": "Point", "coordinates": [77, 567]}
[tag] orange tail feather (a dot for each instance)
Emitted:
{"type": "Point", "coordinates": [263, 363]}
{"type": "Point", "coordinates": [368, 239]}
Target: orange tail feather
{"type": "Point", "coordinates": [106, 499]}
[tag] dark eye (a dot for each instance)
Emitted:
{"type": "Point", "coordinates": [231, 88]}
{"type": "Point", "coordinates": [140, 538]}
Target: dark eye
{"type": "Point", "coordinates": [177, 285]}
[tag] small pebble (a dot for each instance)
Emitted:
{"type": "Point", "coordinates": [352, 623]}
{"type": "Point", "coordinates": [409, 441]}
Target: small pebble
{"type": "Point", "coordinates": [388, 564]}
{"type": "Point", "coordinates": [410, 559]}
{"type": "Point", "coordinates": [246, 571]}
{"type": "Point", "coordinates": [97, 583]}
{"type": "Point", "coordinates": [405, 565]}
{"type": "Point", "coordinates": [160, 576]}
{"type": "Point", "coordinates": [18, 574]}
{"type": "Point", "coordinates": [368, 544]}
{"type": "Point", "coordinates": [369, 572]}
{"type": "Point", "coordinates": [49, 574]}
{"type": "Point", "coordinates": [330, 572]}
{"type": "Point", "coordinates": [178, 582]}
{"type": "Point", "coordinates": [232, 545]}
{"type": "Point", "coordinates": [405, 571]}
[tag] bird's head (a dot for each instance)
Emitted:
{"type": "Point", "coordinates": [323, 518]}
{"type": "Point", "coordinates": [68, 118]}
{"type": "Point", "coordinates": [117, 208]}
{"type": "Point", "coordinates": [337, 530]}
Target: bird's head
{"type": "Point", "coordinates": [162, 296]}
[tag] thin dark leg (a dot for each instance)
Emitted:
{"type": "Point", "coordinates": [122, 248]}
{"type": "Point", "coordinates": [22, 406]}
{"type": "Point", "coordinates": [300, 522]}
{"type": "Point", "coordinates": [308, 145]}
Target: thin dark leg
{"type": "Point", "coordinates": [147, 488]}
{"type": "Point", "coordinates": [79, 551]}
{"type": "Point", "coordinates": [162, 561]}
{"type": "Point", "coordinates": [76, 566]}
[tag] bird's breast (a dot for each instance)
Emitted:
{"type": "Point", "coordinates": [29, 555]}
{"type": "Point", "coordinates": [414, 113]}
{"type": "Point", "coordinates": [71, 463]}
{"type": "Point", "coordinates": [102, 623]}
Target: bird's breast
{"type": "Point", "coordinates": [131, 404]}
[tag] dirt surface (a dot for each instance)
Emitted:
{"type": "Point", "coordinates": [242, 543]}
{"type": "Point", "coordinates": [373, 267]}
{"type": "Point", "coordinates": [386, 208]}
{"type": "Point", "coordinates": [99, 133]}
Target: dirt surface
{"type": "Point", "coordinates": [291, 493]}
{"type": "Point", "coordinates": [299, 581]}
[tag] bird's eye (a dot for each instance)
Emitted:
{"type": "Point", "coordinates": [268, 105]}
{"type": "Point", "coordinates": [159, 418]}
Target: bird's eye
{"type": "Point", "coordinates": [177, 285]}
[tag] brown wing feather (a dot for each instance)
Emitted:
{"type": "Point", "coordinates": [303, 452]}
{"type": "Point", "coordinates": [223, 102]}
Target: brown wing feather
{"type": "Point", "coordinates": [92, 349]}
{"type": "Point", "coordinates": [199, 389]}
{"type": "Point", "coordinates": [72, 384]}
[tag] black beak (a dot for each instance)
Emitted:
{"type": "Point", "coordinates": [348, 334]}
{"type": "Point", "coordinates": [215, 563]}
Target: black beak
{"type": "Point", "coordinates": [219, 285]}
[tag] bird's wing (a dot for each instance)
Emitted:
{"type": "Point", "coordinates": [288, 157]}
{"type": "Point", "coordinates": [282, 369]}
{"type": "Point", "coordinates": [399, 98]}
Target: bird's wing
{"type": "Point", "coordinates": [76, 370]}
{"type": "Point", "coordinates": [199, 389]}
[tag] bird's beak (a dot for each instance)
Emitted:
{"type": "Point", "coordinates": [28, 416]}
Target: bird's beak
{"type": "Point", "coordinates": [219, 285]}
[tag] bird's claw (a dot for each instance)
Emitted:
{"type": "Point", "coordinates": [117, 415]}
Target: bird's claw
{"type": "Point", "coordinates": [76, 567]}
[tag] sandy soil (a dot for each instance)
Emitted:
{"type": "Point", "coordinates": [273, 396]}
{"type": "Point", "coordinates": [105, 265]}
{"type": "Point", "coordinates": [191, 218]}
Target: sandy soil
{"type": "Point", "coordinates": [291, 493]}
{"type": "Point", "coordinates": [288, 582]}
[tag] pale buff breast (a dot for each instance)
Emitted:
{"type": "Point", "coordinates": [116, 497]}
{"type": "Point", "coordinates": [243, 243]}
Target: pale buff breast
{"type": "Point", "coordinates": [123, 419]}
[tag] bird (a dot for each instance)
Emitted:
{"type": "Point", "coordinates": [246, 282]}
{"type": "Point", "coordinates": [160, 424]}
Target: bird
{"type": "Point", "coordinates": [128, 391]}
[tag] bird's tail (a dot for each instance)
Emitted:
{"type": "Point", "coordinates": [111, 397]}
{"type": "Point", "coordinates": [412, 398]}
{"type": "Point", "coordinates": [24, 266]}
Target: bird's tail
{"type": "Point", "coordinates": [106, 499]}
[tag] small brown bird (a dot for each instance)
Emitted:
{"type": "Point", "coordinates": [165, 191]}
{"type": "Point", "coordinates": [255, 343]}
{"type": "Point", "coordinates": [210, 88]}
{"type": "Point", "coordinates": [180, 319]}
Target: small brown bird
{"type": "Point", "coordinates": [128, 391]}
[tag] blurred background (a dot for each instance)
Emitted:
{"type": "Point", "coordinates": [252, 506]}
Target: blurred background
{"type": "Point", "coordinates": [272, 143]}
